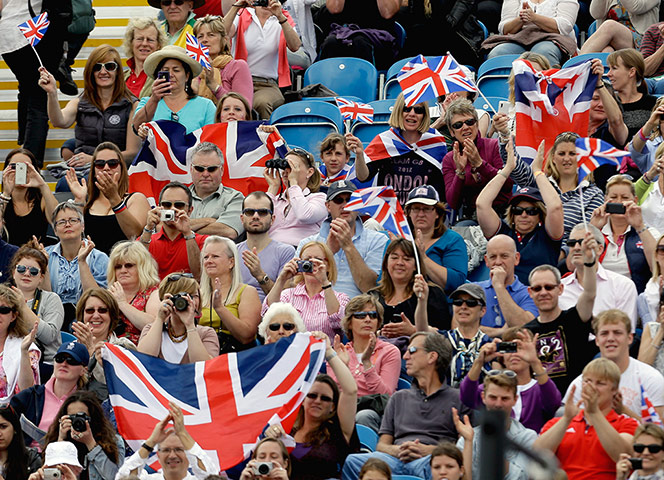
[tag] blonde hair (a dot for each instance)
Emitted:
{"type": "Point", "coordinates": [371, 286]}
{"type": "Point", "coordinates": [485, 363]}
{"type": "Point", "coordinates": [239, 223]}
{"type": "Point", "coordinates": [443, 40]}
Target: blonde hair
{"type": "Point", "coordinates": [146, 265]}
{"type": "Point", "coordinates": [184, 284]}
{"type": "Point", "coordinates": [236, 276]}
{"type": "Point", "coordinates": [541, 60]}
{"type": "Point", "coordinates": [329, 256]}
{"type": "Point", "coordinates": [657, 131]}
{"type": "Point", "coordinates": [215, 24]}
{"type": "Point", "coordinates": [396, 117]}
{"type": "Point", "coordinates": [612, 316]}
{"type": "Point", "coordinates": [656, 271]}
{"type": "Point", "coordinates": [141, 23]}
{"type": "Point", "coordinates": [20, 326]}
{"type": "Point", "coordinates": [619, 180]}
{"type": "Point", "coordinates": [604, 369]}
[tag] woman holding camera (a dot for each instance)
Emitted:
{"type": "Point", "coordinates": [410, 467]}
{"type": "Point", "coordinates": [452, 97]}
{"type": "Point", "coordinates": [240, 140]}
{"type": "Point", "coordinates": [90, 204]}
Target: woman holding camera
{"type": "Point", "coordinates": [269, 460]}
{"type": "Point", "coordinates": [313, 296]}
{"type": "Point", "coordinates": [648, 460]}
{"type": "Point", "coordinates": [231, 307]}
{"type": "Point", "coordinates": [174, 335]}
{"type": "Point", "coordinates": [81, 421]}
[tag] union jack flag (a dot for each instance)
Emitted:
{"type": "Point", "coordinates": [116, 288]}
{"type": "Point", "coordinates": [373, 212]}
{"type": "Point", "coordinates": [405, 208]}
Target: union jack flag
{"type": "Point", "coordinates": [355, 111]}
{"type": "Point", "coordinates": [648, 412]}
{"type": "Point", "coordinates": [35, 28]}
{"type": "Point", "coordinates": [382, 204]}
{"type": "Point", "coordinates": [197, 51]}
{"type": "Point", "coordinates": [227, 401]}
{"type": "Point", "coordinates": [424, 79]}
{"type": "Point", "coordinates": [164, 156]}
{"type": "Point", "coordinates": [550, 102]}
{"type": "Point", "coordinates": [593, 152]}
{"type": "Point", "coordinates": [431, 147]}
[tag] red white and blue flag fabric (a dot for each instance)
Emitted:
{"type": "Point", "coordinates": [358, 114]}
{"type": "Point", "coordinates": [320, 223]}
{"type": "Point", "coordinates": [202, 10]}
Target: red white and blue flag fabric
{"type": "Point", "coordinates": [648, 412]}
{"type": "Point", "coordinates": [227, 402]}
{"type": "Point", "coordinates": [423, 79]}
{"type": "Point", "coordinates": [197, 51]}
{"type": "Point", "coordinates": [165, 155]}
{"type": "Point", "coordinates": [593, 152]}
{"type": "Point", "coordinates": [382, 204]}
{"type": "Point", "coordinates": [355, 111]}
{"type": "Point", "coordinates": [431, 147]}
{"type": "Point", "coordinates": [550, 102]}
{"type": "Point", "coordinates": [35, 28]}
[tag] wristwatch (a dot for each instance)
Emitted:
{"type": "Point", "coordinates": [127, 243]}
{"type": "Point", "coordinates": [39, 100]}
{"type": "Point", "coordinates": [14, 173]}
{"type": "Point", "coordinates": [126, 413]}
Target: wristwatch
{"type": "Point", "coordinates": [264, 280]}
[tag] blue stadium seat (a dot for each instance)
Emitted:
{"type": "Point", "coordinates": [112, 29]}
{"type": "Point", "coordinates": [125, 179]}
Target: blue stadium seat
{"type": "Point", "coordinates": [592, 28]}
{"type": "Point", "coordinates": [484, 30]}
{"type": "Point", "coordinates": [406, 477]}
{"type": "Point", "coordinates": [500, 65]}
{"type": "Point", "coordinates": [392, 88]}
{"type": "Point", "coordinates": [588, 56]}
{"type": "Point", "coordinates": [368, 438]}
{"type": "Point", "coordinates": [403, 384]}
{"type": "Point", "coordinates": [306, 123]}
{"type": "Point", "coordinates": [346, 76]}
{"type": "Point", "coordinates": [493, 74]}
{"type": "Point", "coordinates": [400, 34]}
{"type": "Point", "coordinates": [367, 131]}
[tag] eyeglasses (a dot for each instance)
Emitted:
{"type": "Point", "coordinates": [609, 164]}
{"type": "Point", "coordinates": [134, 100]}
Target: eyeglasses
{"type": "Point", "coordinates": [178, 205]}
{"type": "Point", "coordinates": [63, 357]}
{"type": "Point", "coordinates": [112, 163]}
{"type": "Point", "coordinates": [262, 212]}
{"type": "Point", "coordinates": [92, 310]}
{"type": "Point", "coordinates": [127, 266]}
{"type": "Point", "coordinates": [315, 396]}
{"type": "Point", "coordinates": [422, 209]}
{"type": "Point", "coordinates": [660, 248]}
{"type": "Point", "coordinates": [4, 309]}
{"type": "Point", "coordinates": [471, 302]}
{"type": "Point", "coordinates": [470, 122]}
{"type": "Point", "coordinates": [145, 39]}
{"type": "Point", "coordinates": [548, 288]}
{"type": "Point", "coordinates": [65, 221]}
{"type": "Point", "coordinates": [413, 349]}
{"type": "Point", "coordinates": [276, 326]}
{"type": "Point", "coordinates": [108, 66]}
{"type": "Point", "coordinates": [175, 117]}
{"type": "Point", "coordinates": [652, 448]}
{"type": "Point", "coordinates": [167, 3]}
{"type": "Point", "coordinates": [507, 373]}
{"type": "Point", "coordinates": [373, 315]}
{"type": "Point", "coordinates": [34, 271]}
{"type": "Point", "coordinates": [176, 450]}
{"type": "Point", "coordinates": [418, 109]}
{"type": "Point", "coordinates": [339, 200]}
{"type": "Point", "coordinates": [201, 168]}
{"type": "Point", "coordinates": [177, 276]}
{"type": "Point", "coordinates": [530, 211]}
{"type": "Point", "coordinates": [571, 243]}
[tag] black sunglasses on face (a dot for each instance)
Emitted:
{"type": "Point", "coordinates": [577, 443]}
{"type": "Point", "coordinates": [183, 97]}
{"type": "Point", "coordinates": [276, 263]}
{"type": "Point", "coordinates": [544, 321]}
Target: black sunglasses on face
{"type": "Point", "coordinates": [178, 205]}
{"type": "Point", "coordinates": [530, 211]}
{"type": "Point", "coordinates": [339, 200]}
{"type": "Point", "coordinates": [63, 357]}
{"type": "Point", "coordinates": [127, 266]}
{"type": "Point", "coordinates": [323, 398]}
{"type": "Point", "coordinates": [112, 163]}
{"type": "Point", "coordinates": [92, 310]}
{"type": "Point", "coordinates": [652, 448]}
{"type": "Point", "coordinates": [373, 315]}
{"type": "Point", "coordinates": [4, 309]}
{"type": "Point", "coordinates": [418, 109]}
{"type": "Point", "coordinates": [471, 302]}
{"type": "Point", "coordinates": [470, 122]}
{"type": "Point", "coordinates": [571, 243]}
{"type": "Point", "coordinates": [34, 271]}
{"type": "Point", "coordinates": [201, 168]}
{"type": "Point", "coordinates": [166, 3]}
{"type": "Point", "coordinates": [262, 212]}
{"type": "Point", "coordinates": [660, 248]}
{"type": "Point", "coordinates": [276, 326]}
{"type": "Point", "coordinates": [177, 276]}
{"type": "Point", "coordinates": [108, 66]}
{"type": "Point", "coordinates": [548, 288]}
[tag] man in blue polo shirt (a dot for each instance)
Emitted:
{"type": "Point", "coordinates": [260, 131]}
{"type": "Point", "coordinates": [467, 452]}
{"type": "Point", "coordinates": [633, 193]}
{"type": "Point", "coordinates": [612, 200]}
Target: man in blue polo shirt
{"type": "Point", "coordinates": [358, 253]}
{"type": "Point", "coordinates": [508, 303]}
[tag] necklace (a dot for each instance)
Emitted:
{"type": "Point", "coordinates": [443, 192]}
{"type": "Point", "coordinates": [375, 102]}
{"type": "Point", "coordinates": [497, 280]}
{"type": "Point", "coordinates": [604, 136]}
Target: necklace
{"type": "Point", "coordinates": [174, 338]}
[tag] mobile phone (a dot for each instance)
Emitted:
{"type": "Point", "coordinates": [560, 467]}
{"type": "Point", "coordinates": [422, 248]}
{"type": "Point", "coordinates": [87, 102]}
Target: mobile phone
{"type": "Point", "coordinates": [21, 174]}
{"type": "Point", "coordinates": [396, 318]}
{"type": "Point", "coordinates": [504, 107]}
{"type": "Point", "coordinates": [637, 463]}
{"type": "Point", "coordinates": [165, 75]}
{"type": "Point", "coordinates": [617, 208]}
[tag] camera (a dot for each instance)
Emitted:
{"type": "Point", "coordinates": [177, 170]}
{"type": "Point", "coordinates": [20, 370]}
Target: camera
{"type": "Point", "coordinates": [167, 215]}
{"type": "Point", "coordinates": [263, 468]}
{"type": "Point", "coordinates": [279, 163]}
{"type": "Point", "coordinates": [506, 347]}
{"type": "Point", "coordinates": [305, 266]}
{"type": "Point", "coordinates": [52, 474]}
{"type": "Point", "coordinates": [180, 301]}
{"type": "Point", "coordinates": [260, 3]}
{"type": "Point", "coordinates": [618, 208]}
{"type": "Point", "coordinates": [637, 463]}
{"type": "Point", "coordinates": [78, 421]}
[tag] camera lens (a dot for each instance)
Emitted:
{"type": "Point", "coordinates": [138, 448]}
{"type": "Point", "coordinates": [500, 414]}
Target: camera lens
{"type": "Point", "coordinates": [263, 469]}
{"type": "Point", "coordinates": [180, 302]}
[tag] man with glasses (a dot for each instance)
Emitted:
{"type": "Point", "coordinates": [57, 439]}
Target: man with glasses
{"type": "Point", "coordinates": [216, 208]}
{"type": "Point", "coordinates": [562, 342]}
{"type": "Point", "coordinates": [358, 252]}
{"type": "Point", "coordinates": [179, 18]}
{"type": "Point", "coordinates": [262, 257]}
{"type": "Point", "coordinates": [176, 247]}
{"type": "Point", "coordinates": [419, 418]}
{"type": "Point", "coordinates": [613, 290]}
{"type": "Point", "coordinates": [500, 394]}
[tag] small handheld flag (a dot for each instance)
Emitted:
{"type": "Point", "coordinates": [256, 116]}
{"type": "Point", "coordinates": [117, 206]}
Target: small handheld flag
{"type": "Point", "coordinates": [35, 28]}
{"type": "Point", "coordinates": [197, 51]}
{"type": "Point", "coordinates": [593, 152]}
{"type": "Point", "coordinates": [355, 111]}
{"type": "Point", "coordinates": [383, 206]}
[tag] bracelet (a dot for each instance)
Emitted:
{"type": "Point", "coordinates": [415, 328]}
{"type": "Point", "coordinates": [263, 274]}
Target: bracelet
{"type": "Point", "coordinates": [535, 374]}
{"type": "Point", "coordinates": [500, 172]}
{"type": "Point", "coordinates": [284, 21]}
{"type": "Point", "coordinates": [460, 173]}
{"type": "Point", "coordinates": [641, 135]}
{"type": "Point", "coordinates": [325, 287]}
{"type": "Point", "coordinates": [601, 85]}
{"type": "Point", "coordinates": [4, 198]}
{"type": "Point", "coordinates": [120, 206]}
{"type": "Point", "coordinates": [646, 179]}
{"type": "Point", "coordinates": [330, 356]}
{"type": "Point", "coordinates": [149, 231]}
{"type": "Point", "coordinates": [189, 237]}
{"type": "Point", "coordinates": [590, 264]}
{"type": "Point", "coordinates": [639, 232]}
{"type": "Point", "coordinates": [147, 447]}
{"type": "Point", "coordinates": [538, 172]}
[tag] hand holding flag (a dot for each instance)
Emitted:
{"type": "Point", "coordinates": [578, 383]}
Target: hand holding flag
{"type": "Point", "coordinates": [34, 30]}
{"type": "Point", "coordinates": [198, 52]}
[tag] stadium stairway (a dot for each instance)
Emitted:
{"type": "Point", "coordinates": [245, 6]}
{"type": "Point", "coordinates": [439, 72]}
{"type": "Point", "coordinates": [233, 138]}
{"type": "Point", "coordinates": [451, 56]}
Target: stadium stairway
{"type": "Point", "coordinates": [112, 18]}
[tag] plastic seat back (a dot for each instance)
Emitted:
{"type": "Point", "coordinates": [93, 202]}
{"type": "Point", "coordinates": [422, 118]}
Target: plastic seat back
{"type": "Point", "coordinates": [345, 76]}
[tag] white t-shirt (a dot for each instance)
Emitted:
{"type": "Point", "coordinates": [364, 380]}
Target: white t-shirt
{"type": "Point", "coordinates": [637, 374]}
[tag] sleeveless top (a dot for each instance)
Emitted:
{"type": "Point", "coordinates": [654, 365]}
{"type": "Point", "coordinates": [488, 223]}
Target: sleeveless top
{"type": "Point", "coordinates": [22, 228]}
{"type": "Point", "coordinates": [210, 318]}
{"type": "Point", "coordinates": [104, 230]}
{"type": "Point", "coordinates": [139, 302]}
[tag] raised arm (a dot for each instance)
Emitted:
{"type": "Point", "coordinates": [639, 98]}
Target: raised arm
{"type": "Point", "coordinates": [554, 223]}
{"type": "Point", "coordinates": [587, 299]}
{"type": "Point", "coordinates": [60, 118]}
{"type": "Point", "coordinates": [347, 407]}
{"type": "Point", "coordinates": [486, 216]}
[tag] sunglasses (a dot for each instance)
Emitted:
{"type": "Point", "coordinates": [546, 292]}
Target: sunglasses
{"type": "Point", "coordinates": [178, 205]}
{"type": "Point", "coordinates": [530, 211]}
{"type": "Point", "coordinates": [660, 248]}
{"type": "Point", "coordinates": [413, 349]}
{"type": "Point", "coordinates": [201, 168]}
{"type": "Point", "coordinates": [571, 243]}
{"type": "Point", "coordinates": [373, 315]}
{"type": "Point", "coordinates": [470, 122]}
{"type": "Point", "coordinates": [175, 117]}
{"type": "Point", "coordinates": [315, 396]}
{"type": "Point", "coordinates": [112, 163]}
{"type": "Point", "coordinates": [262, 212]}
{"type": "Point", "coordinates": [652, 448]}
{"type": "Point", "coordinates": [548, 288]}
{"type": "Point", "coordinates": [276, 326]}
{"type": "Point", "coordinates": [166, 3]}
{"type": "Point", "coordinates": [419, 110]}
{"type": "Point", "coordinates": [63, 357]}
{"type": "Point", "coordinates": [471, 302]}
{"type": "Point", "coordinates": [34, 271]}
{"type": "Point", "coordinates": [127, 266]}
{"type": "Point", "coordinates": [507, 373]}
{"type": "Point", "coordinates": [302, 153]}
{"type": "Point", "coordinates": [92, 310]}
{"type": "Point", "coordinates": [4, 309]}
{"type": "Point", "coordinates": [108, 66]}
{"type": "Point", "coordinates": [177, 276]}
{"type": "Point", "coordinates": [339, 200]}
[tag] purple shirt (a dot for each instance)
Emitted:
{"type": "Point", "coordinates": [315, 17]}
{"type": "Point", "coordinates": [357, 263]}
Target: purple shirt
{"type": "Point", "coordinates": [273, 258]}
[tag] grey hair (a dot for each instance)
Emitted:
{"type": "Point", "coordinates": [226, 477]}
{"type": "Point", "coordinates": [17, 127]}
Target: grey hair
{"type": "Point", "coordinates": [208, 147]}
{"type": "Point", "coordinates": [280, 308]}
{"type": "Point", "coordinates": [545, 268]}
{"type": "Point", "coordinates": [597, 234]}
{"type": "Point", "coordinates": [461, 106]}
{"type": "Point", "coordinates": [67, 206]}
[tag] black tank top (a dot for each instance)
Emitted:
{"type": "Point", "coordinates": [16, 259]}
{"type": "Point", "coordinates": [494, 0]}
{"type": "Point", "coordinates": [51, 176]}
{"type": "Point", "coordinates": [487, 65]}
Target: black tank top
{"type": "Point", "coordinates": [22, 228]}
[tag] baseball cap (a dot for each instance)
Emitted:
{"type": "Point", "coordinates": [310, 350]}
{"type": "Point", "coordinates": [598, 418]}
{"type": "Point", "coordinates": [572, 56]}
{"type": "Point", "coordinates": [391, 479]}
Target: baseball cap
{"type": "Point", "coordinates": [75, 350]}
{"type": "Point", "coordinates": [425, 194]}
{"type": "Point", "coordinates": [340, 186]}
{"type": "Point", "coordinates": [531, 194]}
{"type": "Point", "coordinates": [472, 289]}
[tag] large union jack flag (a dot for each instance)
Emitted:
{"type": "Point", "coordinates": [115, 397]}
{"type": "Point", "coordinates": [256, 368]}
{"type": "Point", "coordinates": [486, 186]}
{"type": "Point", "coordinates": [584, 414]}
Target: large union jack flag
{"type": "Point", "coordinates": [593, 152]}
{"type": "Point", "coordinates": [227, 401]}
{"type": "Point", "coordinates": [382, 204]}
{"type": "Point", "coordinates": [423, 79]}
{"type": "Point", "coordinates": [165, 155]}
{"type": "Point", "coordinates": [355, 111]}
{"type": "Point", "coordinates": [35, 28]}
{"type": "Point", "coordinates": [431, 147]}
{"type": "Point", "coordinates": [197, 51]}
{"type": "Point", "coordinates": [550, 102]}
{"type": "Point", "coordinates": [648, 412]}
